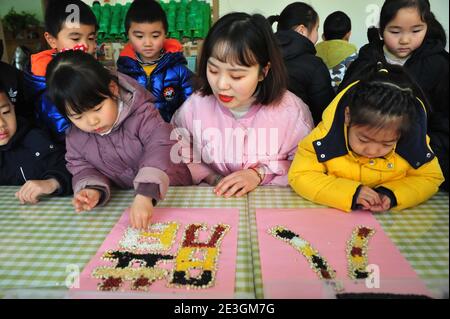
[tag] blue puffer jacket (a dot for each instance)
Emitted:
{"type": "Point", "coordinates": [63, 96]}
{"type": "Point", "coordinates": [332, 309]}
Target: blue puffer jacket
{"type": "Point", "coordinates": [47, 115]}
{"type": "Point", "coordinates": [169, 82]}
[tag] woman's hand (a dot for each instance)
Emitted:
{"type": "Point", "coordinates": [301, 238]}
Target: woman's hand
{"type": "Point", "coordinates": [238, 183]}
{"type": "Point", "coordinates": [141, 212]}
{"type": "Point", "coordinates": [30, 192]}
{"type": "Point", "coordinates": [86, 199]}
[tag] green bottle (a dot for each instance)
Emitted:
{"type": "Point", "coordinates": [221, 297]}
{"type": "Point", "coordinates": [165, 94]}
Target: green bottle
{"type": "Point", "coordinates": [206, 18]}
{"type": "Point", "coordinates": [198, 31]}
{"type": "Point", "coordinates": [122, 29]}
{"type": "Point", "coordinates": [191, 19]}
{"type": "Point", "coordinates": [105, 18]}
{"type": "Point", "coordinates": [97, 9]}
{"type": "Point", "coordinates": [116, 18]}
{"type": "Point", "coordinates": [182, 15]}
{"type": "Point", "coordinates": [171, 18]}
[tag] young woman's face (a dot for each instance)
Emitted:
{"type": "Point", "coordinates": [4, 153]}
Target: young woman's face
{"type": "Point", "coordinates": [67, 38]}
{"type": "Point", "coordinates": [233, 85]}
{"type": "Point", "coordinates": [8, 124]}
{"type": "Point", "coordinates": [99, 119]}
{"type": "Point", "coordinates": [147, 39]}
{"type": "Point", "coordinates": [405, 33]}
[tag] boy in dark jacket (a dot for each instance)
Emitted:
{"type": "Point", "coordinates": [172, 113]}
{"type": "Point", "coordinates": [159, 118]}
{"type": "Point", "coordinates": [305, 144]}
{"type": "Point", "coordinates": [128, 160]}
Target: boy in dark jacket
{"type": "Point", "coordinates": [154, 61]}
{"type": "Point", "coordinates": [29, 158]}
{"type": "Point", "coordinates": [12, 80]}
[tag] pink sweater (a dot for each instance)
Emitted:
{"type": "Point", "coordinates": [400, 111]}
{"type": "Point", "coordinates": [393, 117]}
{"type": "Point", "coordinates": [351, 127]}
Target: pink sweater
{"type": "Point", "coordinates": [214, 141]}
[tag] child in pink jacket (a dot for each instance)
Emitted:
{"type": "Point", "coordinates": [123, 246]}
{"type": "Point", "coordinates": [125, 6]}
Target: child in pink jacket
{"type": "Point", "coordinates": [117, 136]}
{"type": "Point", "coordinates": [242, 127]}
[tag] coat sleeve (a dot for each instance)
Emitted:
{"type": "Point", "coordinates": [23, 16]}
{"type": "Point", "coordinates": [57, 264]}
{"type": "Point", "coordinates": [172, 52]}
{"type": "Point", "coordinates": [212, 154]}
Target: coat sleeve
{"type": "Point", "coordinates": [56, 168]}
{"type": "Point", "coordinates": [296, 129]}
{"type": "Point", "coordinates": [438, 122]}
{"type": "Point", "coordinates": [85, 175]}
{"type": "Point", "coordinates": [320, 92]}
{"type": "Point", "coordinates": [182, 121]}
{"type": "Point", "coordinates": [185, 76]}
{"type": "Point", "coordinates": [50, 161]}
{"type": "Point", "coordinates": [418, 185]}
{"type": "Point", "coordinates": [439, 143]}
{"type": "Point", "coordinates": [308, 177]}
{"type": "Point", "coordinates": [156, 165]}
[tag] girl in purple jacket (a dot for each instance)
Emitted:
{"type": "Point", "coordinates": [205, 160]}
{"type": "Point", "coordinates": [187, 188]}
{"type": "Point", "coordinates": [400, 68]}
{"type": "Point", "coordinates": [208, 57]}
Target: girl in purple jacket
{"type": "Point", "coordinates": [118, 136]}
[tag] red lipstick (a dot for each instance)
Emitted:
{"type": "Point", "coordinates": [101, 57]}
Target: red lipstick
{"type": "Point", "coordinates": [225, 98]}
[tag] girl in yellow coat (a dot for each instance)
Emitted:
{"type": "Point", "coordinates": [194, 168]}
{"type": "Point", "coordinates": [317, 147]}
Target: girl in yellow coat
{"type": "Point", "coordinates": [371, 149]}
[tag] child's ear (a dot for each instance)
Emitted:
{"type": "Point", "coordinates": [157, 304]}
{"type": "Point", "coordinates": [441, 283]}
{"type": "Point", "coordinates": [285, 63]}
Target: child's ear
{"type": "Point", "coordinates": [347, 36]}
{"type": "Point", "coordinates": [51, 40]}
{"type": "Point", "coordinates": [114, 88]}
{"type": "Point", "coordinates": [347, 115]}
{"type": "Point", "coordinates": [264, 72]}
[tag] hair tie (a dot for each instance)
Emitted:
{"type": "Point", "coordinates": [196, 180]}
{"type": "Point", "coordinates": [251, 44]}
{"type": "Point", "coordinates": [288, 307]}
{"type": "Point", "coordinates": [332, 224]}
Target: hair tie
{"type": "Point", "coordinates": [78, 47]}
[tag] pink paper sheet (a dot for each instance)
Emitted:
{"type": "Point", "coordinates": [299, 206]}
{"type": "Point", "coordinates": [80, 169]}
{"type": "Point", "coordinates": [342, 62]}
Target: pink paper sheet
{"type": "Point", "coordinates": [287, 274]}
{"type": "Point", "coordinates": [225, 275]}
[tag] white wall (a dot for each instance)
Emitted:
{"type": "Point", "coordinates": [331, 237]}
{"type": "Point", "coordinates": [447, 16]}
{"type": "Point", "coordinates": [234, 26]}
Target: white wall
{"type": "Point", "coordinates": [113, 2]}
{"type": "Point", "coordinates": [363, 13]}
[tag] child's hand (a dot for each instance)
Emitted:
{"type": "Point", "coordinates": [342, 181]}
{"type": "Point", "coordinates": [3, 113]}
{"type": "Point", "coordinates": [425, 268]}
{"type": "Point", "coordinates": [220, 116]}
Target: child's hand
{"type": "Point", "coordinates": [141, 212]}
{"type": "Point", "coordinates": [368, 198]}
{"type": "Point", "coordinates": [32, 190]}
{"type": "Point", "coordinates": [238, 183]}
{"type": "Point", "coordinates": [86, 199]}
{"type": "Point", "coordinates": [385, 205]}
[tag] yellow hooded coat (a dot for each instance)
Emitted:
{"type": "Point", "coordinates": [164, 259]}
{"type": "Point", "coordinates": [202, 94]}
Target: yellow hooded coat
{"type": "Point", "coordinates": [325, 171]}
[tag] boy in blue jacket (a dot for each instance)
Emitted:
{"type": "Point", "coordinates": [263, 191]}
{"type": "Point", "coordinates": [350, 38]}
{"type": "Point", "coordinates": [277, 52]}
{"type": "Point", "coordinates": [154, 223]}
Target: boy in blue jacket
{"type": "Point", "coordinates": [69, 24]}
{"type": "Point", "coordinates": [154, 61]}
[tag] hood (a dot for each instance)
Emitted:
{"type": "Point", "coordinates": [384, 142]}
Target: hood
{"type": "Point", "coordinates": [412, 147]}
{"type": "Point", "coordinates": [170, 46]}
{"type": "Point", "coordinates": [171, 57]}
{"type": "Point", "coordinates": [133, 96]}
{"type": "Point", "coordinates": [333, 52]}
{"type": "Point", "coordinates": [23, 127]}
{"type": "Point", "coordinates": [293, 44]}
{"type": "Point", "coordinates": [39, 62]}
{"type": "Point", "coordinates": [374, 50]}
{"type": "Point", "coordinates": [430, 47]}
